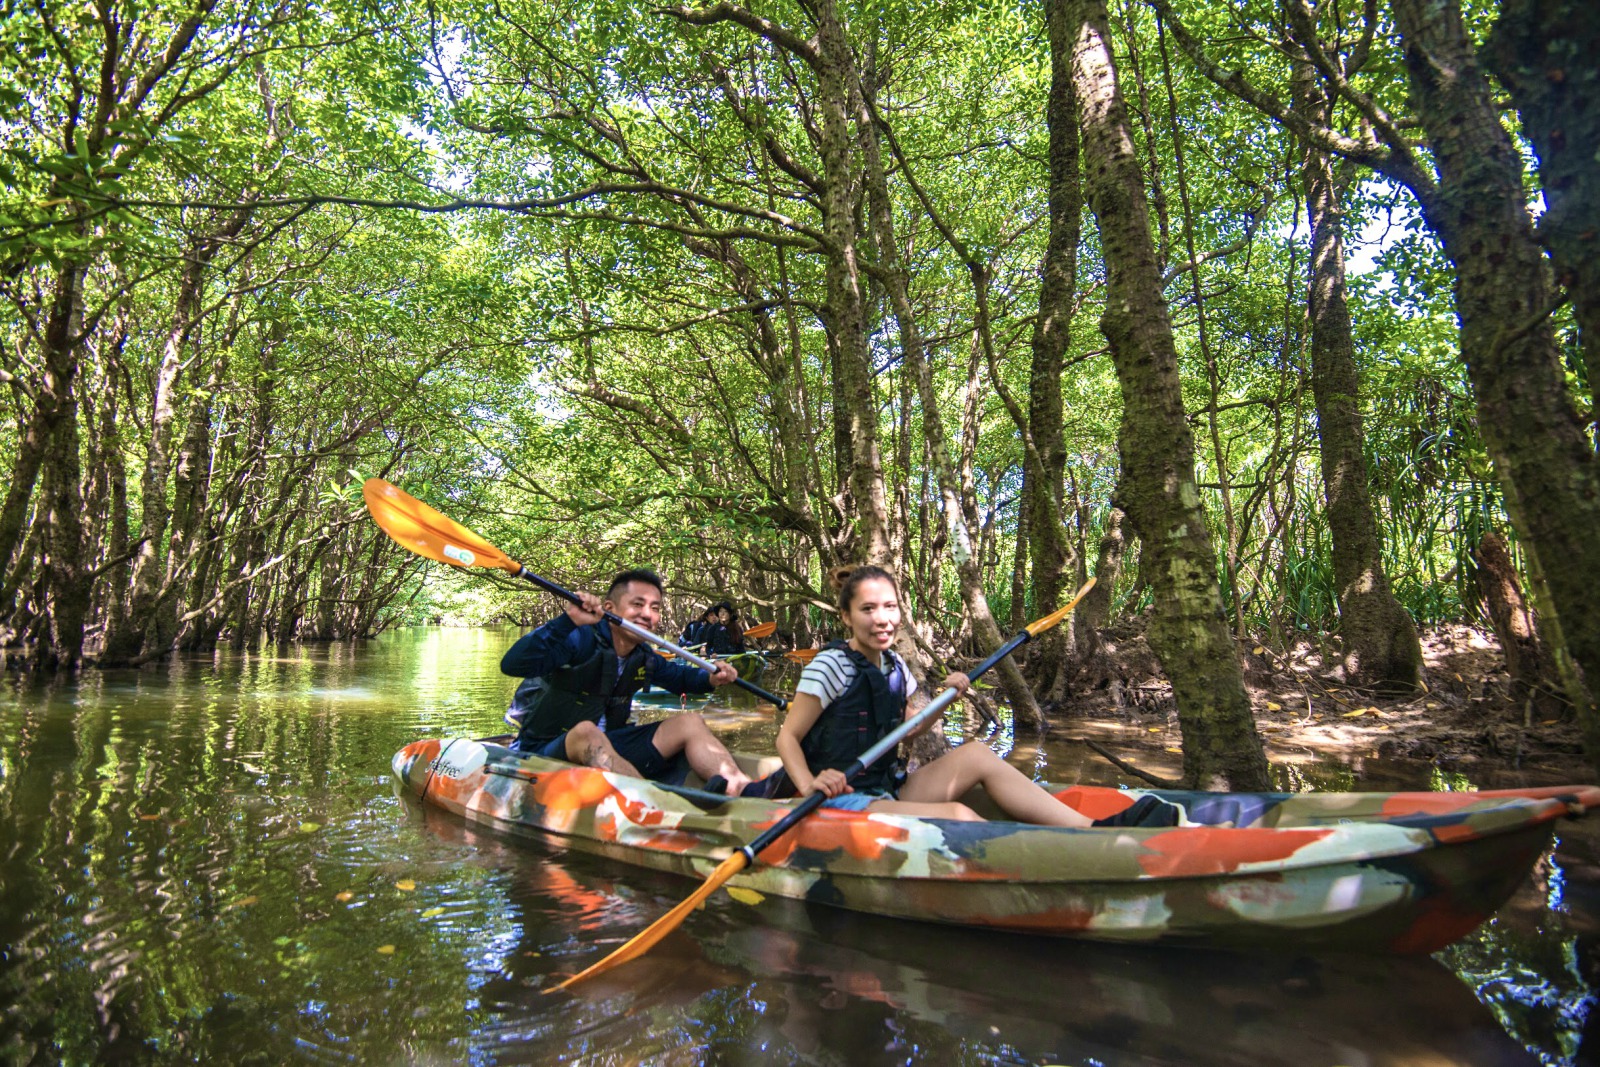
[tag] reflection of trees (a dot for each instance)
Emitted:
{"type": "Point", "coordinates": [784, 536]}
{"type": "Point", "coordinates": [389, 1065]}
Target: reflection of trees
{"type": "Point", "coordinates": [819, 985]}
{"type": "Point", "coordinates": [143, 810]}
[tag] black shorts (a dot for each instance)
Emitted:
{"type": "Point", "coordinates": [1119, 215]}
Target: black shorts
{"type": "Point", "coordinates": [636, 744]}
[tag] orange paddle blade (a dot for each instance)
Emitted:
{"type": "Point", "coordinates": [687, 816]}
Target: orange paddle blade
{"type": "Point", "coordinates": [427, 533]}
{"type": "Point", "coordinates": [1040, 626]}
{"type": "Point", "coordinates": [765, 629]}
{"type": "Point", "coordinates": [802, 656]}
{"type": "Point", "coordinates": [651, 935]}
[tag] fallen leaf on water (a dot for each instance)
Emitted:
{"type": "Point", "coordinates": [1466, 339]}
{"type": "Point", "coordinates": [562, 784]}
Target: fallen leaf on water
{"type": "Point", "coordinates": [1274, 707]}
{"type": "Point", "coordinates": [244, 902]}
{"type": "Point", "coordinates": [431, 912]}
{"type": "Point", "coordinates": [310, 827]}
{"type": "Point", "coordinates": [405, 885]}
{"type": "Point", "coordinates": [745, 896]}
{"type": "Point", "coordinates": [149, 818]}
{"type": "Point", "coordinates": [344, 897]}
{"type": "Point", "coordinates": [386, 950]}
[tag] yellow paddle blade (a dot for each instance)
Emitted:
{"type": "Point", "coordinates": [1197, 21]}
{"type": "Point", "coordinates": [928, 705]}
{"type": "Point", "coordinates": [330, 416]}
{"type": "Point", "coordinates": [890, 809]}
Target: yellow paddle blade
{"type": "Point", "coordinates": [765, 629]}
{"type": "Point", "coordinates": [651, 935]}
{"type": "Point", "coordinates": [427, 533]}
{"type": "Point", "coordinates": [1055, 617]}
{"type": "Point", "coordinates": [802, 656]}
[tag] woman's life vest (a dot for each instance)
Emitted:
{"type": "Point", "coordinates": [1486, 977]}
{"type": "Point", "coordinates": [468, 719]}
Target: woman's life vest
{"type": "Point", "coordinates": [871, 707]}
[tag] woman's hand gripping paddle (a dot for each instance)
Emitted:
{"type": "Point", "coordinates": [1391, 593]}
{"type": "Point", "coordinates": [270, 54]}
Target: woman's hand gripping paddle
{"type": "Point", "coordinates": [747, 855]}
{"type": "Point", "coordinates": [427, 533]}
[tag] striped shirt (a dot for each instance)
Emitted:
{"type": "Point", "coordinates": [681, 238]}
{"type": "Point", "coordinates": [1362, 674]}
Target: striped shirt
{"type": "Point", "coordinates": [830, 674]}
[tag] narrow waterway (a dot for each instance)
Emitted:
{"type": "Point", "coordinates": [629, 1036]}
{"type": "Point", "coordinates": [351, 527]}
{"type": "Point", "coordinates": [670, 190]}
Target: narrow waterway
{"type": "Point", "coordinates": [208, 861]}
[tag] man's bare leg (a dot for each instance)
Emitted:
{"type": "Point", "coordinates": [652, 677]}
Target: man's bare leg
{"type": "Point", "coordinates": [587, 744]}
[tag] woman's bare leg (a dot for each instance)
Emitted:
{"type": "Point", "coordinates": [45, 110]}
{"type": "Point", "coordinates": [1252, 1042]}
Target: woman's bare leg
{"type": "Point", "coordinates": [925, 810]}
{"type": "Point", "coordinates": [951, 775]}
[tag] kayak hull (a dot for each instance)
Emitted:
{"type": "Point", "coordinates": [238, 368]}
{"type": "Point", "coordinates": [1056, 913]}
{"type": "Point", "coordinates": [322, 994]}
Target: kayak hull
{"type": "Point", "coordinates": [1395, 872]}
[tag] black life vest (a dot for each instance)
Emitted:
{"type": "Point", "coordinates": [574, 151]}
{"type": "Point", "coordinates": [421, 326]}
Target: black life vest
{"type": "Point", "coordinates": [873, 705]}
{"type": "Point", "coordinates": [551, 704]}
{"type": "Point", "coordinates": [719, 640]}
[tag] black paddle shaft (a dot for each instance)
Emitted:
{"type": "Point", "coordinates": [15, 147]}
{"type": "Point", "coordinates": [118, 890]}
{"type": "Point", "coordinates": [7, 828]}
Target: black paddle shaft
{"type": "Point", "coordinates": [639, 631]}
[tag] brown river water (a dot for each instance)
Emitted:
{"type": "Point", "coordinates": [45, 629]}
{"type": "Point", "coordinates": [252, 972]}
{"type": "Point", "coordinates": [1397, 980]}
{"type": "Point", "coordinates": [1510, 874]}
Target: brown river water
{"type": "Point", "coordinates": [208, 861]}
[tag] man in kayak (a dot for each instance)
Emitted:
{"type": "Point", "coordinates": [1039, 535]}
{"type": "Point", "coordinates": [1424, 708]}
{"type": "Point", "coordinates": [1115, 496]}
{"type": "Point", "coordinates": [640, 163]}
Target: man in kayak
{"type": "Point", "coordinates": [580, 675]}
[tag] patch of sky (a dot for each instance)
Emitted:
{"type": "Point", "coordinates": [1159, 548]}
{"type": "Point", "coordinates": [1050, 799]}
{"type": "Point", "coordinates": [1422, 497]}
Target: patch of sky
{"type": "Point", "coordinates": [1390, 214]}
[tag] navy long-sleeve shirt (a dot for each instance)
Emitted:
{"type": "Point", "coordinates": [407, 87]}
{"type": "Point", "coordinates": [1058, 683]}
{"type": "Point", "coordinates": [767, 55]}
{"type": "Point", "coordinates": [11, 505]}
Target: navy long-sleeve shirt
{"type": "Point", "coordinates": [562, 641]}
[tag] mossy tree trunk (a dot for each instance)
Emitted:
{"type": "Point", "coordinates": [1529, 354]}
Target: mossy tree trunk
{"type": "Point", "coordinates": [1189, 631]}
{"type": "Point", "coordinates": [1544, 52]}
{"type": "Point", "coordinates": [1378, 637]}
{"type": "Point", "coordinates": [1504, 299]}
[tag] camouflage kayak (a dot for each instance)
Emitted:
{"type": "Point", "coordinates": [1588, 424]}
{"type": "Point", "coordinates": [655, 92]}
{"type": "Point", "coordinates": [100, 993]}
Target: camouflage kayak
{"type": "Point", "coordinates": [1394, 872]}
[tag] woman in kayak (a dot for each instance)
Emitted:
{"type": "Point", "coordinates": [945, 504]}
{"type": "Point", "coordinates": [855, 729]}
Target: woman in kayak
{"type": "Point", "coordinates": [849, 697]}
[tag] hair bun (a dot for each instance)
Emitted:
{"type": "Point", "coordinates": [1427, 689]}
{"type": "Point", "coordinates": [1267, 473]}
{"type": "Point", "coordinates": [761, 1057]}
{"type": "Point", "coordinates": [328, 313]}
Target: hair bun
{"type": "Point", "coordinates": [839, 575]}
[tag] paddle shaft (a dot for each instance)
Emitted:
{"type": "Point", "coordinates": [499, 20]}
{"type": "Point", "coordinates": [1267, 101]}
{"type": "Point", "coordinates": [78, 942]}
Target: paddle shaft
{"type": "Point", "coordinates": [935, 707]}
{"type": "Point", "coordinates": [645, 635]}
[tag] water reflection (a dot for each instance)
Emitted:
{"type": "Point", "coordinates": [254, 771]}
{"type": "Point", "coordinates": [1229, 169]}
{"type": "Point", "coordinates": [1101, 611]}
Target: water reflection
{"type": "Point", "coordinates": [817, 985]}
{"type": "Point", "coordinates": [207, 861]}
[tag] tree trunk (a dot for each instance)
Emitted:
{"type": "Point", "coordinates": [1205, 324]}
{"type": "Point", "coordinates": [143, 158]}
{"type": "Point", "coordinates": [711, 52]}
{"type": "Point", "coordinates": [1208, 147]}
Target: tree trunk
{"type": "Point", "coordinates": [126, 638]}
{"type": "Point", "coordinates": [847, 310]}
{"type": "Point", "coordinates": [1544, 52]}
{"type": "Point", "coordinates": [68, 590]}
{"type": "Point", "coordinates": [1379, 638]}
{"type": "Point", "coordinates": [50, 399]}
{"type": "Point", "coordinates": [1512, 617]}
{"type": "Point", "coordinates": [1095, 611]}
{"type": "Point", "coordinates": [1530, 424]}
{"type": "Point", "coordinates": [1052, 336]}
{"type": "Point", "coordinates": [1190, 630]}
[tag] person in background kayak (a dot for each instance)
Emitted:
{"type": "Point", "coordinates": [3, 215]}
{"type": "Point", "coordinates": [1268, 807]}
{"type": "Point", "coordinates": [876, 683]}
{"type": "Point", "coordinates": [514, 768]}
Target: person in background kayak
{"type": "Point", "coordinates": [580, 676]}
{"type": "Point", "coordinates": [694, 634]}
{"type": "Point", "coordinates": [723, 637]}
{"type": "Point", "coordinates": [850, 697]}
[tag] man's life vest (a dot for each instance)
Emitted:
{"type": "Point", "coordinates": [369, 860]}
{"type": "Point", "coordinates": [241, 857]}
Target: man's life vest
{"type": "Point", "coordinates": [865, 713]}
{"type": "Point", "coordinates": [551, 704]}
